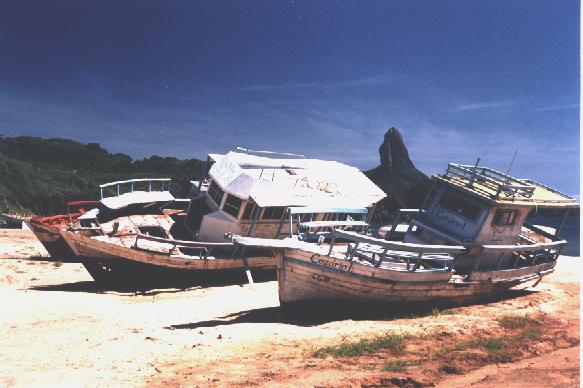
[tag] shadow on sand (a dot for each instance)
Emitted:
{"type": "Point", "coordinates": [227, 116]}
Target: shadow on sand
{"type": "Point", "coordinates": [320, 312]}
{"type": "Point", "coordinates": [51, 259]}
{"type": "Point", "coordinates": [150, 288]}
{"type": "Point", "coordinates": [99, 288]}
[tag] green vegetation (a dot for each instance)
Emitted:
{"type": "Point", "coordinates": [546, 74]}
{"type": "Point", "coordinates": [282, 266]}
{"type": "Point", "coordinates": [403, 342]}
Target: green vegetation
{"type": "Point", "coordinates": [515, 321]}
{"type": "Point", "coordinates": [529, 328]}
{"type": "Point", "coordinates": [393, 342]}
{"type": "Point", "coordinates": [488, 344]}
{"type": "Point", "coordinates": [395, 366]}
{"type": "Point", "coordinates": [530, 333]}
{"type": "Point", "coordinates": [39, 175]}
{"type": "Point", "coordinates": [451, 369]}
{"type": "Point", "coordinates": [437, 312]}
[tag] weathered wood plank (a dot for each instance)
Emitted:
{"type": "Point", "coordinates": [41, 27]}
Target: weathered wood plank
{"type": "Point", "coordinates": [91, 248]}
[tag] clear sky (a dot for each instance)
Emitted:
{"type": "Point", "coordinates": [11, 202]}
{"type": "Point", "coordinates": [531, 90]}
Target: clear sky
{"type": "Point", "coordinates": [460, 79]}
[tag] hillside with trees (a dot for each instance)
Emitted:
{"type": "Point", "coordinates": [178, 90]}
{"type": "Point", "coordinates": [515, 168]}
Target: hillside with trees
{"type": "Point", "coordinates": [39, 175]}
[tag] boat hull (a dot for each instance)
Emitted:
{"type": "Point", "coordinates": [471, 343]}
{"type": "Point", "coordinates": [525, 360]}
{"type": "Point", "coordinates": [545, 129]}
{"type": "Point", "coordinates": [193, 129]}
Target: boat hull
{"type": "Point", "coordinates": [303, 278]}
{"type": "Point", "coordinates": [111, 263]}
{"type": "Point", "coordinates": [51, 238]}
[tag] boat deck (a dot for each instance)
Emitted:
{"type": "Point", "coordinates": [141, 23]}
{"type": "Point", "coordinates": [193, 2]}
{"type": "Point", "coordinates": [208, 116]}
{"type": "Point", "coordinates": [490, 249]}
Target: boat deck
{"type": "Point", "coordinates": [502, 188]}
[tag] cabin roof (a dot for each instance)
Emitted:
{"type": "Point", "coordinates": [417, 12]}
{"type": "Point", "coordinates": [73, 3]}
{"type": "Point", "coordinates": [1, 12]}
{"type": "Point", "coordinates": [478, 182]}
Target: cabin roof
{"type": "Point", "coordinates": [89, 215]}
{"type": "Point", "coordinates": [133, 191]}
{"type": "Point", "coordinates": [271, 181]}
{"type": "Point", "coordinates": [500, 188]}
{"type": "Point", "coordinates": [136, 197]}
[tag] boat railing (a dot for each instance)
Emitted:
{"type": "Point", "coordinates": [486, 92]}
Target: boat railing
{"type": "Point", "coordinates": [270, 153]}
{"type": "Point", "coordinates": [68, 217]}
{"type": "Point", "coordinates": [131, 185]}
{"type": "Point", "coordinates": [205, 248]}
{"type": "Point", "coordinates": [56, 219]}
{"type": "Point", "coordinates": [566, 198]}
{"type": "Point", "coordinates": [77, 204]}
{"type": "Point", "coordinates": [304, 219]}
{"type": "Point", "coordinates": [271, 168]}
{"type": "Point", "coordinates": [530, 254]}
{"type": "Point", "coordinates": [501, 184]}
{"type": "Point", "coordinates": [412, 254]}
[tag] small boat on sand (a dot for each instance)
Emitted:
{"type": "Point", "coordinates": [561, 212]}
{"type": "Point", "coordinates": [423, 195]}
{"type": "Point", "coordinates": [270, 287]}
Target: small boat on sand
{"type": "Point", "coordinates": [469, 240]}
{"type": "Point", "coordinates": [246, 192]}
{"type": "Point", "coordinates": [47, 229]}
{"type": "Point", "coordinates": [13, 220]}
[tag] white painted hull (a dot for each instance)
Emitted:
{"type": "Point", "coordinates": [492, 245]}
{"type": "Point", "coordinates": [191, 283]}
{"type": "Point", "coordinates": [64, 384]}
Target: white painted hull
{"type": "Point", "coordinates": [304, 276]}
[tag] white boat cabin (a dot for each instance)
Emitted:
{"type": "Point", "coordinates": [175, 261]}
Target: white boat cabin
{"type": "Point", "coordinates": [122, 198]}
{"type": "Point", "coordinates": [248, 192]}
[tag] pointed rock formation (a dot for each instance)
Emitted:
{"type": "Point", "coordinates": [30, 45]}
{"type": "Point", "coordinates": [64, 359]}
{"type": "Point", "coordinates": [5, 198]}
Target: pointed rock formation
{"type": "Point", "coordinates": [397, 176]}
{"type": "Point", "coordinates": [395, 159]}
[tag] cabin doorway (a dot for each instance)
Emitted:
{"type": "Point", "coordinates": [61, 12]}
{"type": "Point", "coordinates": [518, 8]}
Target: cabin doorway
{"type": "Point", "coordinates": [198, 209]}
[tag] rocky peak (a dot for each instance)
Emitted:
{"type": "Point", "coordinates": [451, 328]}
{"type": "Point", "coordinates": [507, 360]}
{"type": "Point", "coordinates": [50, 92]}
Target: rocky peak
{"type": "Point", "coordinates": [404, 185]}
{"type": "Point", "coordinates": [394, 155]}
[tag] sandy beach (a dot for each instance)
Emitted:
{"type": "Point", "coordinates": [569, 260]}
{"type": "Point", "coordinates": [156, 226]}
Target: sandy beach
{"type": "Point", "coordinates": [60, 329]}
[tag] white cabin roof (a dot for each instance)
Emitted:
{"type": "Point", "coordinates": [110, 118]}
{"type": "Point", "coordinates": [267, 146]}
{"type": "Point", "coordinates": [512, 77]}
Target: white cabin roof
{"type": "Point", "coordinates": [136, 197]}
{"type": "Point", "coordinates": [89, 215]}
{"type": "Point", "coordinates": [293, 182]}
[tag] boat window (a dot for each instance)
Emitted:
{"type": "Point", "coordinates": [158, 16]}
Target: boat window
{"type": "Point", "coordinates": [232, 205]}
{"type": "Point", "coordinates": [504, 217]}
{"type": "Point", "coordinates": [154, 231]}
{"type": "Point", "coordinates": [249, 209]}
{"type": "Point", "coordinates": [272, 213]}
{"type": "Point", "coordinates": [215, 192]}
{"type": "Point", "coordinates": [460, 205]}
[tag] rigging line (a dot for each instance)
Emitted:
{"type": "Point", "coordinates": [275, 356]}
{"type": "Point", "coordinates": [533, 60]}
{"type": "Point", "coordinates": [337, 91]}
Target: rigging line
{"type": "Point", "coordinates": [510, 167]}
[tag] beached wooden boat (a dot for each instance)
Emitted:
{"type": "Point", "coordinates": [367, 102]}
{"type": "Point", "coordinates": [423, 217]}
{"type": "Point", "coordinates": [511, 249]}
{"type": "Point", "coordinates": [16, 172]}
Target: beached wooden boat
{"type": "Point", "coordinates": [47, 229]}
{"type": "Point", "coordinates": [147, 260]}
{"type": "Point", "coordinates": [468, 241]}
{"type": "Point", "coordinates": [247, 194]}
{"type": "Point", "coordinates": [14, 220]}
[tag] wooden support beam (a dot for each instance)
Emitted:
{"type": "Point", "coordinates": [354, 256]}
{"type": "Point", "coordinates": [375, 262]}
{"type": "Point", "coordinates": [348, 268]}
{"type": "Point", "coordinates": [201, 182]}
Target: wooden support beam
{"type": "Point", "coordinates": [281, 221]}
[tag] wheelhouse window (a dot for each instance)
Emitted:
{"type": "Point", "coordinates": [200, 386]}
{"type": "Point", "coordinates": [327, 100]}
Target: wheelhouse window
{"type": "Point", "coordinates": [460, 206]}
{"type": "Point", "coordinates": [232, 205]}
{"type": "Point", "coordinates": [249, 209]}
{"type": "Point", "coordinates": [504, 217]}
{"type": "Point", "coordinates": [154, 231]}
{"type": "Point", "coordinates": [272, 213]}
{"type": "Point", "coordinates": [216, 193]}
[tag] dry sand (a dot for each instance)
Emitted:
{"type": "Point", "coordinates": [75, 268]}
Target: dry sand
{"type": "Point", "coordinates": [59, 329]}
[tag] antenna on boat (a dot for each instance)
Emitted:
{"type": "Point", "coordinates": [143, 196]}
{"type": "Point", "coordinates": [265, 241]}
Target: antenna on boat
{"type": "Point", "coordinates": [471, 182]}
{"type": "Point", "coordinates": [511, 163]}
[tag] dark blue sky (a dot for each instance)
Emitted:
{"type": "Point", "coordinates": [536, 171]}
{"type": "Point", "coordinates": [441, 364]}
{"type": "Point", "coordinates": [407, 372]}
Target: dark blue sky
{"type": "Point", "coordinates": [460, 79]}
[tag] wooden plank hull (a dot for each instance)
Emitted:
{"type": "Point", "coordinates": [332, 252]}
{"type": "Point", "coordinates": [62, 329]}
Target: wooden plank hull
{"type": "Point", "coordinates": [302, 277]}
{"type": "Point", "coordinates": [50, 237]}
{"type": "Point", "coordinates": [112, 263]}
